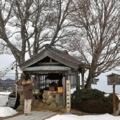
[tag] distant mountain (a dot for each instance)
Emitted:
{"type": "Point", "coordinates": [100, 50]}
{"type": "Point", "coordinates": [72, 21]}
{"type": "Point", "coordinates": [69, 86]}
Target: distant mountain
{"type": "Point", "coordinates": [9, 79]}
{"type": "Point", "coordinates": [7, 83]}
{"type": "Point", "coordinates": [1, 83]}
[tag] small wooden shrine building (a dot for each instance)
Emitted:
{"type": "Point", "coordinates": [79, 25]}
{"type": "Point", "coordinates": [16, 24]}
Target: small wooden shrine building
{"type": "Point", "coordinates": [51, 68]}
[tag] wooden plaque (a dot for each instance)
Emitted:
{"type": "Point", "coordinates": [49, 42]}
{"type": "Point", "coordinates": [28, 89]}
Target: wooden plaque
{"type": "Point", "coordinates": [113, 79]}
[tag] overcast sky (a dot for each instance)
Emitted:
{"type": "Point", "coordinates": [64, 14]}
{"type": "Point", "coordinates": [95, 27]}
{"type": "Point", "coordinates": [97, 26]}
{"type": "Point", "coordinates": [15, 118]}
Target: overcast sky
{"type": "Point", "coordinates": [6, 60]}
{"type": "Point", "coordinates": [103, 86]}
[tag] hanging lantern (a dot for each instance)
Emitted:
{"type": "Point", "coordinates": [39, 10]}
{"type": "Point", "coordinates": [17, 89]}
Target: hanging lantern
{"type": "Point", "coordinates": [60, 90]}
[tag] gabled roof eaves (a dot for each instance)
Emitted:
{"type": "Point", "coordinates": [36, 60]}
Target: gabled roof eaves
{"type": "Point", "coordinates": [60, 56]}
{"type": "Point", "coordinates": [33, 60]}
{"type": "Point", "coordinates": [66, 56]}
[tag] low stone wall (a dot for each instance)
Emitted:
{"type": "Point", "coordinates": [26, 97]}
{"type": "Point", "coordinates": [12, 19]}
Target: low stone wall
{"type": "Point", "coordinates": [52, 98]}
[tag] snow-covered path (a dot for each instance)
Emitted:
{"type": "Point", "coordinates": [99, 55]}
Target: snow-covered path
{"type": "Point", "coordinates": [41, 115]}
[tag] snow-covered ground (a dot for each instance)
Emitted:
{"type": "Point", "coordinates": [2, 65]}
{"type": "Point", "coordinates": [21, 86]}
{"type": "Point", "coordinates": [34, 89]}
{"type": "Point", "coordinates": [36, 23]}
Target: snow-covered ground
{"type": "Point", "coordinates": [7, 111]}
{"type": "Point", "coordinates": [85, 117]}
{"type": "Point", "coordinates": [6, 93]}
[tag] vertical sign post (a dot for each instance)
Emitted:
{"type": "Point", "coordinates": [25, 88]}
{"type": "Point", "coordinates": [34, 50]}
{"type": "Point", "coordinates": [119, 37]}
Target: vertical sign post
{"type": "Point", "coordinates": [114, 79]}
{"type": "Point", "coordinates": [114, 101]}
{"type": "Point", "coordinates": [68, 96]}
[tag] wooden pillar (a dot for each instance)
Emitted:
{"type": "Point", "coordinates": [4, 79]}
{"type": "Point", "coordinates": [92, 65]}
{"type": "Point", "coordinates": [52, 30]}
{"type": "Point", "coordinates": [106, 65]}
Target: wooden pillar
{"type": "Point", "coordinates": [77, 81]}
{"type": "Point", "coordinates": [114, 101]}
{"type": "Point", "coordinates": [64, 90]}
{"type": "Point", "coordinates": [82, 77]}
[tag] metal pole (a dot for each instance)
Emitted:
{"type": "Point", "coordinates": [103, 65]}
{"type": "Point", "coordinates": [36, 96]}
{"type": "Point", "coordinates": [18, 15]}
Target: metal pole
{"type": "Point", "coordinates": [16, 71]}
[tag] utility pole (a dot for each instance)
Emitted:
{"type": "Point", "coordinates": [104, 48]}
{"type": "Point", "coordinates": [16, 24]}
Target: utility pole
{"type": "Point", "coordinates": [16, 71]}
{"type": "Point", "coordinates": [16, 77]}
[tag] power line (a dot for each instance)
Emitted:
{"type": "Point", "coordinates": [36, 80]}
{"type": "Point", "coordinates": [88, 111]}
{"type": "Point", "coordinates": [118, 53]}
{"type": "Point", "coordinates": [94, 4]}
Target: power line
{"type": "Point", "coordinates": [6, 69]}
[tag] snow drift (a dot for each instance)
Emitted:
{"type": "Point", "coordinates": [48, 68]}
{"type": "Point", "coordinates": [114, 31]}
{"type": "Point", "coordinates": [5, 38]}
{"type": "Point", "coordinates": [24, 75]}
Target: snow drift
{"type": "Point", "coordinates": [7, 111]}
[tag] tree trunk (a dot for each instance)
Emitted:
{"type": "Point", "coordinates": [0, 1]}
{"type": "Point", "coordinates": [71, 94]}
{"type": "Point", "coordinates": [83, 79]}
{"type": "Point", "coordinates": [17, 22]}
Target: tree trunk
{"type": "Point", "coordinates": [89, 80]}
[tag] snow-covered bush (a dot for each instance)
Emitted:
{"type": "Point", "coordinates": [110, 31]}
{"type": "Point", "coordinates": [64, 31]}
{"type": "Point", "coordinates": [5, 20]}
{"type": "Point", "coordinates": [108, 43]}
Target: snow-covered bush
{"type": "Point", "coordinates": [82, 95]}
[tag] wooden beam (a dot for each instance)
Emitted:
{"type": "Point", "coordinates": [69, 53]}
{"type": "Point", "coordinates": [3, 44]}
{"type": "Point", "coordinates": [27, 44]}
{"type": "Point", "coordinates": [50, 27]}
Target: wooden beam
{"type": "Point", "coordinates": [49, 63]}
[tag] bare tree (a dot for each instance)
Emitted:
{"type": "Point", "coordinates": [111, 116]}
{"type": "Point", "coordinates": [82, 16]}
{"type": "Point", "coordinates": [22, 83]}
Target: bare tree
{"type": "Point", "coordinates": [98, 39]}
{"type": "Point", "coordinates": [27, 25]}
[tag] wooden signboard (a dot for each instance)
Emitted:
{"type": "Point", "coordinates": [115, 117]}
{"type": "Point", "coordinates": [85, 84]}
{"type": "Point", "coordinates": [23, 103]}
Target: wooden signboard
{"type": "Point", "coordinates": [113, 79]}
{"type": "Point", "coordinates": [68, 96]}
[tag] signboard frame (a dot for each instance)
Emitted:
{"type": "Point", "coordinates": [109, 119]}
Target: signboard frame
{"type": "Point", "coordinates": [113, 79]}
